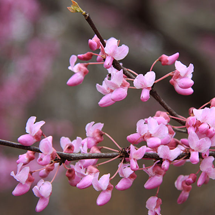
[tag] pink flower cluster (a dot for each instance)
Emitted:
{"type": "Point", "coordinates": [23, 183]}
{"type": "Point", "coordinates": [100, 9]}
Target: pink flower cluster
{"type": "Point", "coordinates": [201, 137]}
{"type": "Point", "coordinates": [159, 137]}
{"type": "Point", "coordinates": [115, 85]}
{"type": "Point", "coordinates": [201, 132]}
{"type": "Point", "coordinates": [81, 174]}
{"type": "Point", "coordinates": [84, 173]}
{"type": "Point", "coordinates": [155, 131]}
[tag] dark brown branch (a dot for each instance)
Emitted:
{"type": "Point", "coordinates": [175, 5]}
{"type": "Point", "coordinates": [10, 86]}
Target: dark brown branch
{"type": "Point", "coordinates": [165, 105]}
{"type": "Point", "coordinates": [79, 156]}
{"type": "Point", "coordinates": [92, 25]}
{"type": "Point", "coordinates": [64, 156]}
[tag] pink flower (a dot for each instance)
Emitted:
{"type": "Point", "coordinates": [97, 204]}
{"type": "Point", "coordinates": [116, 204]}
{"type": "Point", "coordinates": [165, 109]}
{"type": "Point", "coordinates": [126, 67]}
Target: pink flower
{"type": "Point", "coordinates": [94, 43]}
{"type": "Point", "coordinates": [208, 171]}
{"type": "Point", "coordinates": [70, 147]}
{"type": "Point", "coordinates": [33, 130]}
{"type": "Point", "coordinates": [145, 82]}
{"type": "Point", "coordinates": [48, 152]}
{"type": "Point", "coordinates": [167, 155]}
{"type": "Point", "coordinates": [205, 115]}
{"type": "Point", "coordinates": [104, 185]}
{"type": "Point", "coordinates": [153, 205]}
{"type": "Point", "coordinates": [184, 183]}
{"type": "Point", "coordinates": [94, 134]}
{"type": "Point", "coordinates": [25, 179]}
{"type": "Point", "coordinates": [168, 60]}
{"type": "Point", "coordinates": [181, 79]}
{"type": "Point", "coordinates": [114, 89]}
{"type": "Point", "coordinates": [87, 56]}
{"type": "Point", "coordinates": [153, 130]}
{"type": "Point", "coordinates": [72, 176]}
{"type": "Point", "coordinates": [128, 177]}
{"type": "Point", "coordinates": [86, 181]}
{"type": "Point", "coordinates": [156, 174]}
{"type": "Point", "coordinates": [112, 52]}
{"type": "Point", "coordinates": [197, 145]}
{"type": "Point", "coordinates": [26, 158]}
{"type": "Point", "coordinates": [80, 71]}
{"type": "Point", "coordinates": [43, 190]}
{"type": "Point", "coordinates": [136, 154]}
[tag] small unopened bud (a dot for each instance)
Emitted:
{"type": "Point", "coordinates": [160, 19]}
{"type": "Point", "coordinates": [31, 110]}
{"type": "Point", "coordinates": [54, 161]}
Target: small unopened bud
{"type": "Point", "coordinates": [94, 43]}
{"type": "Point", "coordinates": [87, 56]}
{"type": "Point", "coordinates": [168, 60]}
{"type": "Point", "coordinates": [213, 102]}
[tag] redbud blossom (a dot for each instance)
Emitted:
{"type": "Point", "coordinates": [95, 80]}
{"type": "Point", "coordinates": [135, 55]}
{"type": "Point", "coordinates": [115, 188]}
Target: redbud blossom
{"type": "Point", "coordinates": [205, 115]}
{"type": "Point", "coordinates": [26, 158]}
{"type": "Point", "coordinates": [128, 177]}
{"type": "Point", "coordinates": [168, 155]}
{"type": "Point", "coordinates": [145, 82]}
{"type": "Point", "coordinates": [112, 52]}
{"type": "Point", "coordinates": [184, 183]}
{"type": "Point", "coordinates": [42, 190]}
{"type": "Point", "coordinates": [33, 130]}
{"type": "Point", "coordinates": [114, 89]}
{"type": "Point", "coordinates": [80, 71]}
{"type": "Point", "coordinates": [162, 117]}
{"type": "Point", "coordinates": [208, 171]}
{"type": "Point", "coordinates": [136, 154]}
{"type": "Point", "coordinates": [94, 43]}
{"type": "Point", "coordinates": [181, 79]}
{"type": "Point", "coordinates": [25, 179]}
{"type": "Point", "coordinates": [197, 145]}
{"type": "Point", "coordinates": [86, 181]}
{"type": "Point", "coordinates": [104, 185]}
{"type": "Point", "coordinates": [94, 135]}
{"type": "Point", "coordinates": [153, 205]}
{"type": "Point", "coordinates": [87, 56]}
{"type": "Point", "coordinates": [70, 147]}
{"type": "Point", "coordinates": [72, 176]}
{"type": "Point", "coordinates": [152, 132]}
{"type": "Point", "coordinates": [168, 60]}
{"type": "Point", "coordinates": [212, 102]}
{"type": "Point", "coordinates": [48, 152]}
{"type": "Point", "coordinates": [156, 174]}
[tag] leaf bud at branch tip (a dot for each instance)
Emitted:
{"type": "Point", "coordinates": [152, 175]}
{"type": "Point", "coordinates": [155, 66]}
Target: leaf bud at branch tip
{"type": "Point", "coordinates": [75, 8]}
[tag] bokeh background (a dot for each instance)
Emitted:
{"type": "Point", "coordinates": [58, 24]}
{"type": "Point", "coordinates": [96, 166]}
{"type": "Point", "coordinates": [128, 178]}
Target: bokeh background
{"type": "Point", "coordinates": [37, 37]}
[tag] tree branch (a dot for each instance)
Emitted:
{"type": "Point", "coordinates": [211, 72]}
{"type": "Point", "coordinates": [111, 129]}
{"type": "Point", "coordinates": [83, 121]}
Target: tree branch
{"type": "Point", "coordinates": [80, 156]}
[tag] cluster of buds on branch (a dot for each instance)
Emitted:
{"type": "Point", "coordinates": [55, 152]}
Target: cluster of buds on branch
{"type": "Point", "coordinates": [154, 138]}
